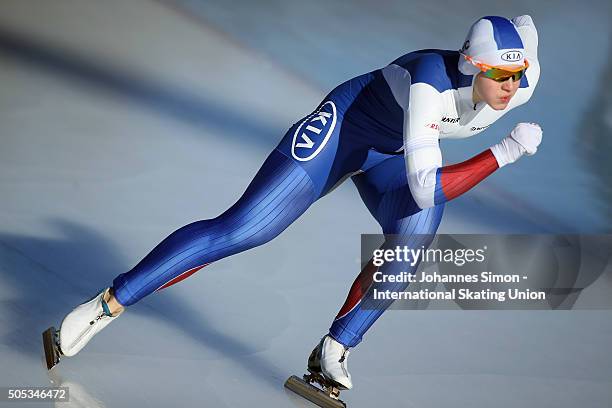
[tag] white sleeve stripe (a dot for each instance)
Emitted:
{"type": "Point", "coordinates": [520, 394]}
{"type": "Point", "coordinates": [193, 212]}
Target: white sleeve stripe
{"type": "Point", "coordinates": [399, 82]}
{"type": "Point", "coordinates": [421, 148]}
{"type": "Point", "coordinates": [416, 144]}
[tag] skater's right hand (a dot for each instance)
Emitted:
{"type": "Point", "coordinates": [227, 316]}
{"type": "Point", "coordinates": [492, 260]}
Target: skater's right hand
{"type": "Point", "coordinates": [523, 140]}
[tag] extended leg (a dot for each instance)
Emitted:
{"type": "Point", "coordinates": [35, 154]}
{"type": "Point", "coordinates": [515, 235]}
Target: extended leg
{"type": "Point", "coordinates": [280, 192]}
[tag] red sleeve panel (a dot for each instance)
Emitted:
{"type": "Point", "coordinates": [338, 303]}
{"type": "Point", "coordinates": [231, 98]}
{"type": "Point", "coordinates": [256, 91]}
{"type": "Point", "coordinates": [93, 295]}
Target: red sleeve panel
{"type": "Point", "coordinates": [456, 179]}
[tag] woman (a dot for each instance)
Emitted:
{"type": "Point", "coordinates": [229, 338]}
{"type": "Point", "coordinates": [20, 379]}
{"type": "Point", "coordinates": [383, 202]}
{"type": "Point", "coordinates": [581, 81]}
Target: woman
{"type": "Point", "coordinates": [382, 129]}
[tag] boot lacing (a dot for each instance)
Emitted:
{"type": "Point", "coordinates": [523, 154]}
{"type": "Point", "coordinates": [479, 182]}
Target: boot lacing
{"type": "Point", "coordinates": [105, 313]}
{"type": "Point", "coordinates": [99, 317]}
{"type": "Point", "coordinates": [345, 354]}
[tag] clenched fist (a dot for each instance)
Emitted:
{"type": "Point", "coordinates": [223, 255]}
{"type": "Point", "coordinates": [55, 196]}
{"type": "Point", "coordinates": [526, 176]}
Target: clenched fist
{"type": "Point", "coordinates": [524, 139]}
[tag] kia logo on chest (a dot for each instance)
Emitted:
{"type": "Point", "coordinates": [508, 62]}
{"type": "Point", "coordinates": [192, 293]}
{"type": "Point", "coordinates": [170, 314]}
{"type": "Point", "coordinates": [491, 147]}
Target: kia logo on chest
{"type": "Point", "coordinates": [512, 56]}
{"type": "Point", "coordinates": [314, 132]}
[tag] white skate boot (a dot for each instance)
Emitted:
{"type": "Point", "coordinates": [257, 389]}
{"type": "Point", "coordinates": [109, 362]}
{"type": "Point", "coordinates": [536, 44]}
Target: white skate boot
{"type": "Point", "coordinates": [329, 358]}
{"type": "Point", "coordinates": [328, 375]}
{"type": "Point", "coordinates": [77, 328]}
{"type": "Point", "coordinates": [84, 322]}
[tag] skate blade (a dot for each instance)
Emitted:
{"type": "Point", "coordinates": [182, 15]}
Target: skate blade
{"type": "Point", "coordinates": [52, 354]}
{"type": "Point", "coordinates": [312, 393]}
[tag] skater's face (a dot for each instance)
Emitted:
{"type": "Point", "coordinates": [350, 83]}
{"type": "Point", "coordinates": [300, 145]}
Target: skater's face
{"type": "Point", "coordinates": [496, 94]}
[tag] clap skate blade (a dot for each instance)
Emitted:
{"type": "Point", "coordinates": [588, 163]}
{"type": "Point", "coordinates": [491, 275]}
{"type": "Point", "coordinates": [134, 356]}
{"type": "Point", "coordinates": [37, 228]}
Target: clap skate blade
{"type": "Point", "coordinates": [52, 350]}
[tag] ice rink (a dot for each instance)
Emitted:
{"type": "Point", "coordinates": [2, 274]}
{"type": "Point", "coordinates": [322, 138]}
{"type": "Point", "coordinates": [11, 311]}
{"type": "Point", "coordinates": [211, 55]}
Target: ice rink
{"type": "Point", "coordinates": [123, 121]}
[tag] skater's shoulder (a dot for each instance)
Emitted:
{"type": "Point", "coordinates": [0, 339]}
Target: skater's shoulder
{"type": "Point", "coordinates": [438, 68]}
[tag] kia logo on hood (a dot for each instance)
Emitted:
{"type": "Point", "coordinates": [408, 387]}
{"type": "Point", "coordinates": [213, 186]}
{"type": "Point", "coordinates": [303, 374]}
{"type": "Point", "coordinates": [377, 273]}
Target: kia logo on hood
{"type": "Point", "coordinates": [512, 56]}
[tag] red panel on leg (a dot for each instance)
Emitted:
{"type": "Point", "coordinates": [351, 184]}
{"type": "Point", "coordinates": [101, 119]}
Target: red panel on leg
{"type": "Point", "coordinates": [180, 277]}
{"type": "Point", "coordinates": [360, 286]}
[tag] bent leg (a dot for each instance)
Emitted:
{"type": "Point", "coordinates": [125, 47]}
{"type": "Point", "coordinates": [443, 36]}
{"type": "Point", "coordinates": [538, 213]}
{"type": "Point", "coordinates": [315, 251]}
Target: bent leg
{"type": "Point", "coordinates": [280, 192]}
{"type": "Point", "coordinates": [385, 191]}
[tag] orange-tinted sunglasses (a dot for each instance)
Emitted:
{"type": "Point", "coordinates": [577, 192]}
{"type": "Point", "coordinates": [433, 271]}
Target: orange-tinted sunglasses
{"type": "Point", "coordinates": [499, 74]}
